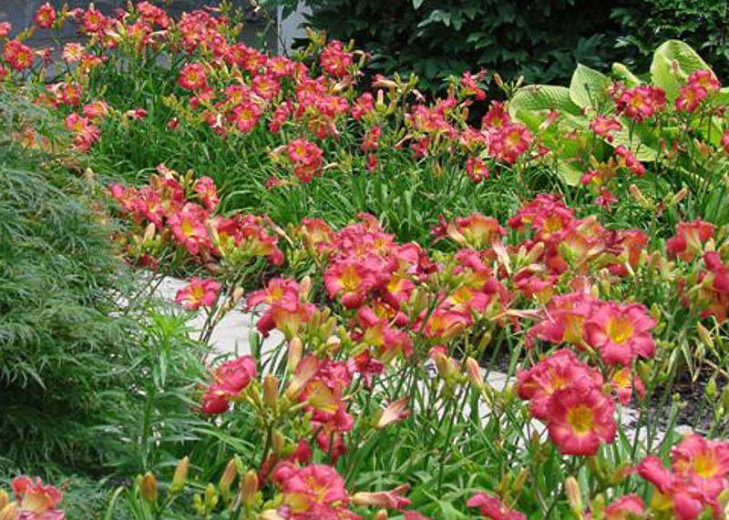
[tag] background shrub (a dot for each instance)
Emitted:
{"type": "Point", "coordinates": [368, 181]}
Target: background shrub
{"type": "Point", "coordinates": [703, 24]}
{"type": "Point", "coordinates": [542, 40]}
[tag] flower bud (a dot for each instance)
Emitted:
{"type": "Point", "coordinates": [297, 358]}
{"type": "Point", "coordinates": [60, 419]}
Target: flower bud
{"type": "Point", "coordinates": [148, 488]}
{"type": "Point", "coordinates": [211, 497]}
{"type": "Point", "coordinates": [520, 480]}
{"type": "Point", "coordinates": [474, 373]}
{"type": "Point", "coordinates": [296, 348]}
{"type": "Point", "coordinates": [305, 370]}
{"type": "Point", "coordinates": [4, 499]}
{"type": "Point", "coordinates": [574, 495]}
{"type": "Point", "coordinates": [705, 336]}
{"type": "Point", "coordinates": [278, 442]}
{"type": "Point", "coordinates": [711, 389]}
{"type": "Point", "coordinates": [305, 288]}
{"type": "Point", "coordinates": [395, 412]}
{"type": "Point", "coordinates": [226, 480]}
{"type": "Point", "coordinates": [9, 512]}
{"type": "Point", "coordinates": [333, 344]}
{"type": "Point", "coordinates": [270, 391]}
{"type": "Point", "coordinates": [149, 232]}
{"type": "Point", "coordinates": [640, 198]}
{"type": "Point", "coordinates": [380, 515]}
{"type": "Point", "coordinates": [180, 476]}
{"type": "Point", "coordinates": [249, 488]}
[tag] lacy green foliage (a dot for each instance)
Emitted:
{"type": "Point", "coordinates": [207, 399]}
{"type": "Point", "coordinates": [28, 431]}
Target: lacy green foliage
{"type": "Point", "coordinates": [703, 24]}
{"type": "Point", "coordinates": [542, 40]}
{"type": "Point", "coordinates": [91, 374]}
{"type": "Point", "coordinates": [55, 339]}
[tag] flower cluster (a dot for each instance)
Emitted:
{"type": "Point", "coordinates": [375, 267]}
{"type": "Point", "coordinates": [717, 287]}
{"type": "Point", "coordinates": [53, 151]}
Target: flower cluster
{"type": "Point", "coordinates": [183, 212]}
{"type": "Point", "coordinates": [33, 501]}
{"type": "Point", "coordinates": [697, 476]}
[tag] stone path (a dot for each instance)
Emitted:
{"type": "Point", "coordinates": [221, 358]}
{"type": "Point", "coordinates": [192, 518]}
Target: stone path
{"type": "Point", "coordinates": [232, 336]}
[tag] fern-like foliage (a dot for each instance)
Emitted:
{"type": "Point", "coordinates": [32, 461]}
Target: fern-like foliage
{"type": "Point", "coordinates": [92, 380]}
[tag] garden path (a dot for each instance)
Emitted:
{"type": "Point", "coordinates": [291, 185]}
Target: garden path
{"type": "Point", "coordinates": [232, 336]}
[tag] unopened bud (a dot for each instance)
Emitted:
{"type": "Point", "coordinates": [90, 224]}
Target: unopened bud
{"type": "Point", "coordinates": [4, 499]}
{"type": "Point", "coordinates": [249, 488]}
{"type": "Point", "coordinates": [304, 288]}
{"type": "Point", "coordinates": [9, 512]}
{"type": "Point", "coordinates": [211, 497]}
{"type": "Point", "coordinates": [711, 389]}
{"type": "Point", "coordinates": [535, 253]}
{"type": "Point", "coordinates": [497, 79]}
{"type": "Point", "coordinates": [180, 476]}
{"type": "Point", "coordinates": [520, 480]}
{"type": "Point", "coordinates": [705, 336]}
{"type": "Point", "coordinates": [238, 294]}
{"type": "Point", "coordinates": [278, 442]}
{"type": "Point", "coordinates": [270, 391]}
{"type": "Point", "coordinates": [678, 197]}
{"type": "Point", "coordinates": [148, 488]}
{"type": "Point", "coordinates": [149, 232]}
{"type": "Point", "coordinates": [574, 496]}
{"type": "Point", "coordinates": [380, 515]}
{"type": "Point", "coordinates": [295, 351]}
{"type": "Point", "coordinates": [474, 373]}
{"type": "Point", "coordinates": [226, 480]}
{"type": "Point", "coordinates": [333, 344]}
{"type": "Point", "coordinates": [641, 199]}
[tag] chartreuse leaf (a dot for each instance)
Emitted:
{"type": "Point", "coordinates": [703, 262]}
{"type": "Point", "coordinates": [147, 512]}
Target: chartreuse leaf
{"type": "Point", "coordinates": [673, 61]}
{"type": "Point", "coordinates": [568, 173]}
{"type": "Point", "coordinates": [543, 97]}
{"type": "Point", "coordinates": [589, 88]}
{"type": "Point", "coordinates": [625, 75]}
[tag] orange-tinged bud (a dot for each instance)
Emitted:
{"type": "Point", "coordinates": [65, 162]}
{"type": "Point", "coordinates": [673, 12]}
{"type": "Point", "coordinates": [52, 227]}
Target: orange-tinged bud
{"type": "Point", "coordinates": [180, 476]}
{"type": "Point", "coordinates": [333, 344]}
{"type": "Point", "coordinates": [304, 288]}
{"type": "Point", "coordinates": [474, 373]}
{"type": "Point", "coordinates": [574, 495]}
{"type": "Point", "coordinates": [395, 412]}
{"type": "Point", "coordinates": [278, 443]}
{"type": "Point", "coordinates": [226, 480]}
{"type": "Point", "coordinates": [249, 488]}
{"type": "Point", "coordinates": [296, 348]}
{"type": "Point", "coordinates": [9, 512]}
{"type": "Point", "coordinates": [380, 515]}
{"type": "Point", "coordinates": [270, 391]}
{"type": "Point", "coordinates": [149, 232]}
{"type": "Point", "coordinates": [148, 488]}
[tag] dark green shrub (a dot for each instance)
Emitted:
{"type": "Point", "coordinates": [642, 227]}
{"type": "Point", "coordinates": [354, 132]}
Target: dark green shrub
{"type": "Point", "coordinates": [91, 376]}
{"type": "Point", "coordinates": [703, 24]}
{"type": "Point", "coordinates": [542, 40]}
